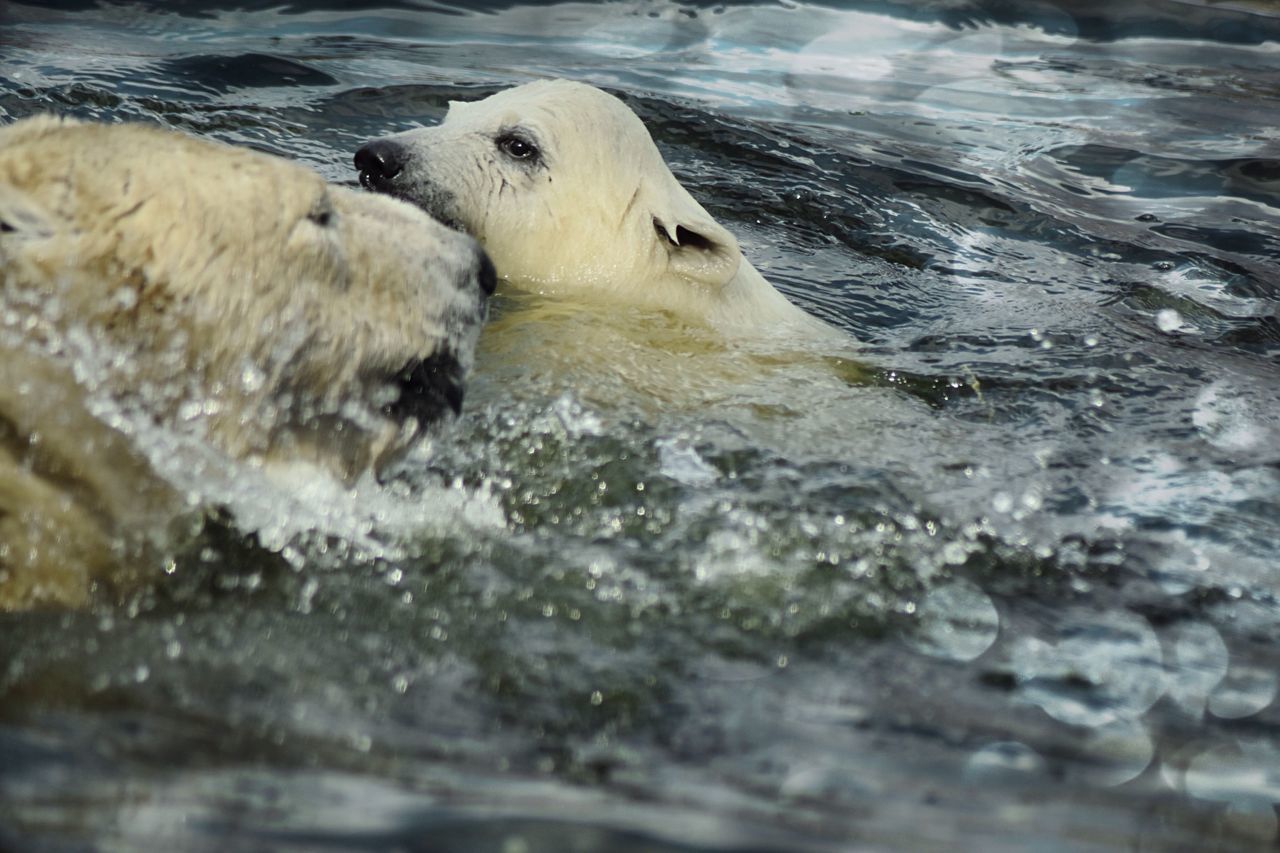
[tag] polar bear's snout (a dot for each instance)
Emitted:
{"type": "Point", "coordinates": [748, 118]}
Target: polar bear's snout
{"type": "Point", "coordinates": [379, 162]}
{"type": "Point", "coordinates": [398, 169]}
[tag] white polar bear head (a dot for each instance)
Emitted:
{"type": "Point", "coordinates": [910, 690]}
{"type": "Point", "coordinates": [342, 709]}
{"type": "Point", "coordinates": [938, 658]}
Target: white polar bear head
{"type": "Point", "coordinates": [564, 187]}
{"type": "Point", "coordinates": [155, 282]}
{"type": "Point", "coordinates": [230, 274]}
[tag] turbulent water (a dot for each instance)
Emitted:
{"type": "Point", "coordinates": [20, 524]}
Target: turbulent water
{"type": "Point", "coordinates": [1008, 580]}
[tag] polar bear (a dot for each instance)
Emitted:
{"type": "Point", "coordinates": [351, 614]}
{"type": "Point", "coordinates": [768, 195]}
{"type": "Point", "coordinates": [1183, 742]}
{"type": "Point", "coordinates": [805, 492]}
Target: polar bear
{"type": "Point", "coordinates": [152, 279]}
{"type": "Point", "coordinates": [564, 187]}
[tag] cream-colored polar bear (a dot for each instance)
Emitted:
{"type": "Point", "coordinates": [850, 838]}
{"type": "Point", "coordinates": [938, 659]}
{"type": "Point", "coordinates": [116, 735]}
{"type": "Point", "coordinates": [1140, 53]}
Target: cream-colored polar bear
{"type": "Point", "coordinates": [564, 187]}
{"type": "Point", "coordinates": [151, 280]}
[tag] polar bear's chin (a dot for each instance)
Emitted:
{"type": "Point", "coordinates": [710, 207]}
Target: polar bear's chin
{"type": "Point", "coordinates": [439, 204]}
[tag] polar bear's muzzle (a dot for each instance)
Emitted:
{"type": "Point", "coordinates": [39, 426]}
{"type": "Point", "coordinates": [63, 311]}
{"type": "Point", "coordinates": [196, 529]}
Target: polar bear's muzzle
{"type": "Point", "coordinates": [388, 167]}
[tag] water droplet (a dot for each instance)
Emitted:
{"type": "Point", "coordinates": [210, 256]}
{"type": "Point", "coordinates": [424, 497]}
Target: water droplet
{"type": "Point", "coordinates": [252, 378]}
{"type": "Point", "coordinates": [306, 594]}
{"type": "Point", "coordinates": [1101, 667]}
{"type": "Point", "coordinates": [682, 463]}
{"type": "Point", "coordinates": [1245, 691]}
{"type": "Point", "coordinates": [1197, 662]}
{"type": "Point", "coordinates": [1006, 761]}
{"type": "Point", "coordinates": [957, 621]}
{"type": "Point", "coordinates": [1168, 320]}
{"type": "Point", "coordinates": [1242, 774]}
{"type": "Point", "coordinates": [515, 844]}
{"type": "Point", "coordinates": [1253, 820]}
{"type": "Point", "coordinates": [125, 298]}
{"type": "Point", "coordinates": [1116, 753]}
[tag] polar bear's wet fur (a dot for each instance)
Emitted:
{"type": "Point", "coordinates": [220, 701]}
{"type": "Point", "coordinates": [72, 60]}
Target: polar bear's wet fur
{"type": "Point", "coordinates": [149, 277]}
{"type": "Point", "coordinates": [566, 190]}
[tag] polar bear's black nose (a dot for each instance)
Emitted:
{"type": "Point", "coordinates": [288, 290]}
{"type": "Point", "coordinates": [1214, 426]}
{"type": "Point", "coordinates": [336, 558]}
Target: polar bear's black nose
{"type": "Point", "coordinates": [380, 161]}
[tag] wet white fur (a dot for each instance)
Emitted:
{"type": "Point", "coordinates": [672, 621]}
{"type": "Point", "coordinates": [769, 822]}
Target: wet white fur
{"type": "Point", "coordinates": [151, 278]}
{"type": "Point", "coordinates": [600, 214]}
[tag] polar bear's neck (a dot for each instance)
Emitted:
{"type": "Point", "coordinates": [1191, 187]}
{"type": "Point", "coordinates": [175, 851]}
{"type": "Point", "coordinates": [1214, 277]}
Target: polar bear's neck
{"type": "Point", "coordinates": [749, 301]}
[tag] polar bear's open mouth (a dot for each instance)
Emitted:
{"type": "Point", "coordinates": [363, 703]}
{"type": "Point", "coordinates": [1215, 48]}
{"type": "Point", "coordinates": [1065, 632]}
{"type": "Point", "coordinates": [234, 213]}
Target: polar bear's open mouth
{"type": "Point", "coordinates": [430, 389]}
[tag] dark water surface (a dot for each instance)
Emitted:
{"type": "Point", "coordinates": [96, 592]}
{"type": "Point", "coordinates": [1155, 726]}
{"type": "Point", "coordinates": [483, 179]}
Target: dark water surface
{"type": "Point", "coordinates": [1017, 590]}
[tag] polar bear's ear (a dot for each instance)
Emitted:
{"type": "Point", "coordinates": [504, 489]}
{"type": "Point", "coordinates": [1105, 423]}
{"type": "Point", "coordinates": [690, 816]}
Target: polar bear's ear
{"type": "Point", "coordinates": [700, 249]}
{"type": "Point", "coordinates": [20, 216]}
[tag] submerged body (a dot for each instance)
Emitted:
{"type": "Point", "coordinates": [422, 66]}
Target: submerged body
{"type": "Point", "coordinates": [153, 280]}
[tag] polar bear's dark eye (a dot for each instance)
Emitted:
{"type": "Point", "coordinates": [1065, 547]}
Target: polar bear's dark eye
{"type": "Point", "coordinates": [321, 212]}
{"type": "Point", "coordinates": [517, 147]}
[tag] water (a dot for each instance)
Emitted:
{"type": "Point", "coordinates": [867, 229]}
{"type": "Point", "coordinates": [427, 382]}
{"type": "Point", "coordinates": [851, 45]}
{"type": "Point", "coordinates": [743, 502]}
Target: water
{"type": "Point", "coordinates": [1008, 581]}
